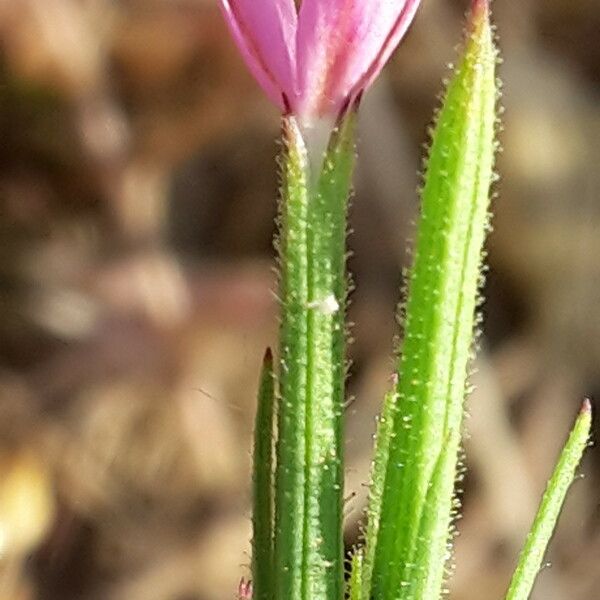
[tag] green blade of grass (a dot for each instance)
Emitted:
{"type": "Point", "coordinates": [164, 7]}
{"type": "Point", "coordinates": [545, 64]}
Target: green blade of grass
{"type": "Point", "coordinates": [544, 523]}
{"type": "Point", "coordinates": [378, 469]}
{"type": "Point", "coordinates": [439, 323]}
{"type": "Point", "coordinates": [262, 485]}
{"type": "Point", "coordinates": [428, 574]}
{"type": "Point", "coordinates": [355, 584]}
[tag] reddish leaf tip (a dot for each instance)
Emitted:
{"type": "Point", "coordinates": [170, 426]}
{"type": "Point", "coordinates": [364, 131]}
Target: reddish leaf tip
{"type": "Point", "coordinates": [268, 358]}
{"type": "Point", "coordinates": [586, 407]}
{"type": "Point", "coordinates": [480, 7]}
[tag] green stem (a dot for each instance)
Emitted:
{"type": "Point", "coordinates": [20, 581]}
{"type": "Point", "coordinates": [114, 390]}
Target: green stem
{"type": "Point", "coordinates": [309, 473]}
{"type": "Point", "coordinates": [292, 372]}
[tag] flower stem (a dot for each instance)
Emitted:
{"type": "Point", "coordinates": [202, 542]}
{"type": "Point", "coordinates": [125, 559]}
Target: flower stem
{"type": "Point", "coordinates": [292, 370]}
{"type": "Point", "coordinates": [309, 472]}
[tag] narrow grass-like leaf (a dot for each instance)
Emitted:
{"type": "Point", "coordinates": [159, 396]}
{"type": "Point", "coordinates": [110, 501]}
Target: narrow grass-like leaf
{"type": "Point", "coordinates": [263, 468]}
{"type": "Point", "coordinates": [532, 555]}
{"type": "Point", "coordinates": [355, 585]}
{"type": "Point", "coordinates": [428, 574]}
{"type": "Point", "coordinates": [443, 290]}
{"type": "Point", "coordinates": [378, 469]}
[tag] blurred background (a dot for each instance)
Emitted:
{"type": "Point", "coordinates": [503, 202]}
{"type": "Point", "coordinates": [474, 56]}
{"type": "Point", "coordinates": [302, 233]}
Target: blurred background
{"type": "Point", "coordinates": [137, 198]}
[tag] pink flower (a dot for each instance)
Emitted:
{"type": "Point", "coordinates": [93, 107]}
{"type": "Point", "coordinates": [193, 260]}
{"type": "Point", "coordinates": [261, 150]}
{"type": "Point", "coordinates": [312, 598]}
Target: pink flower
{"type": "Point", "coordinates": [313, 60]}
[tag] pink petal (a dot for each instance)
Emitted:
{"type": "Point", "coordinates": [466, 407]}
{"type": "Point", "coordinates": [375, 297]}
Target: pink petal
{"type": "Point", "coordinates": [404, 19]}
{"type": "Point", "coordinates": [265, 32]}
{"type": "Point", "coordinates": [342, 45]}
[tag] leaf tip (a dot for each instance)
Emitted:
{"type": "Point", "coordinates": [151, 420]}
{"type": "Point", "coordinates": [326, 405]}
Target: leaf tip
{"type": "Point", "coordinates": [479, 19]}
{"type": "Point", "coordinates": [586, 407]}
{"type": "Point", "coordinates": [268, 358]}
{"type": "Point", "coordinates": [480, 9]}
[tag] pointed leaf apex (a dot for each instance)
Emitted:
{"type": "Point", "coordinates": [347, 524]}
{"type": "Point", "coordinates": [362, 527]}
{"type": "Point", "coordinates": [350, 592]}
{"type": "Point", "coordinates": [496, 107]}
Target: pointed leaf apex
{"type": "Point", "coordinates": [586, 407]}
{"type": "Point", "coordinates": [479, 18]}
{"type": "Point", "coordinates": [268, 358]}
{"type": "Point", "coordinates": [480, 7]}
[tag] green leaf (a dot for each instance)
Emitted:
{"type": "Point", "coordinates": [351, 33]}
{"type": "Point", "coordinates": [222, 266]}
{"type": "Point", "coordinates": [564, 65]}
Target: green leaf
{"type": "Point", "coordinates": [309, 473]}
{"type": "Point", "coordinates": [428, 574]}
{"type": "Point", "coordinates": [416, 504]}
{"type": "Point", "coordinates": [532, 555]}
{"type": "Point", "coordinates": [262, 512]}
{"type": "Point", "coordinates": [355, 585]}
{"type": "Point", "coordinates": [378, 469]}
